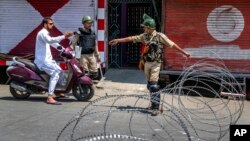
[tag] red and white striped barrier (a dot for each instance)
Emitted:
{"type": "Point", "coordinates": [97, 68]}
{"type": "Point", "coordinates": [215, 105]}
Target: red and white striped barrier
{"type": "Point", "coordinates": [101, 30]}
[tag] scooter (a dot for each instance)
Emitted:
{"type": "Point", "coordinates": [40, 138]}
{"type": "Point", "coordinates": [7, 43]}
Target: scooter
{"type": "Point", "coordinates": [26, 79]}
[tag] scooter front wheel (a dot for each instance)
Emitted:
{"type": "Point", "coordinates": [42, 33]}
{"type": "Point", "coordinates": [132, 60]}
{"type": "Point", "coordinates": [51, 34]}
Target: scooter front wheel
{"type": "Point", "coordinates": [19, 94]}
{"type": "Point", "coordinates": [83, 92]}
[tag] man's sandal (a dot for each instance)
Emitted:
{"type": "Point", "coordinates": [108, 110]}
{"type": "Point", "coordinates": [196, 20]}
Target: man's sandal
{"type": "Point", "coordinates": [61, 96]}
{"type": "Point", "coordinates": [54, 103]}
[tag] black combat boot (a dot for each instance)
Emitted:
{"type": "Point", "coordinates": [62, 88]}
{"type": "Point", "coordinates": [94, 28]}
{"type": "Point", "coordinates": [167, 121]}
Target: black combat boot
{"type": "Point", "coordinates": [154, 98]}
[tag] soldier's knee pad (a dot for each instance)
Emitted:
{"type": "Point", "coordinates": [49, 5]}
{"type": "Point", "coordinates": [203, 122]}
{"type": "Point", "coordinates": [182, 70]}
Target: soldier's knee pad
{"type": "Point", "coordinates": [154, 87]}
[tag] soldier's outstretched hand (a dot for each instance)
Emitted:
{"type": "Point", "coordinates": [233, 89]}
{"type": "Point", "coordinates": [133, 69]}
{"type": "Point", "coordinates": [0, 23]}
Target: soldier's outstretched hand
{"type": "Point", "coordinates": [113, 42]}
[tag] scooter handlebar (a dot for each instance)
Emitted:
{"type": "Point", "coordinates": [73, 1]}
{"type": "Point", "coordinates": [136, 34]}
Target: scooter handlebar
{"type": "Point", "coordinates": [66, 52]}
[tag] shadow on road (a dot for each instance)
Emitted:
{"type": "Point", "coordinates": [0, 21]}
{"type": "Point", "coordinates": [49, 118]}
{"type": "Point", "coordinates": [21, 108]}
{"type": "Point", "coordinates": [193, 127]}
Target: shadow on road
{"type": "Point", "coordinates": [126, 76]}
{"type": "Point", "coordinates": [38, 99]}
{"type": "Point", "coordinates": [128, 108]}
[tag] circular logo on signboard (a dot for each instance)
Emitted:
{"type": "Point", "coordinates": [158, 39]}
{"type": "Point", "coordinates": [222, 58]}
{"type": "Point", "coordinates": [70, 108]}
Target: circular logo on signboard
{"type": "Point", "coordinates": [225, 23]}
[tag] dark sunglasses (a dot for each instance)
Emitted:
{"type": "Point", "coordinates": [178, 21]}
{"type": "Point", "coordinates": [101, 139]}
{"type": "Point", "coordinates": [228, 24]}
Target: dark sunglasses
{"type": "Point", "coordinates": [50, 23]}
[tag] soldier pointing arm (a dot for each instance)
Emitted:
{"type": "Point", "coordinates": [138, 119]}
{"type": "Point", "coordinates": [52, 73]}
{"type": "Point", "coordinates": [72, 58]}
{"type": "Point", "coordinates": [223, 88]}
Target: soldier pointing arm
{"type": "Point", "coordinates": [154, 42]}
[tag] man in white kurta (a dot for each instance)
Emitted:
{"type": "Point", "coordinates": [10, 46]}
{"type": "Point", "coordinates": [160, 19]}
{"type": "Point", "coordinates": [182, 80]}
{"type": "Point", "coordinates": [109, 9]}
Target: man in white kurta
{"type": "Point", "coordinates": [44, 59]}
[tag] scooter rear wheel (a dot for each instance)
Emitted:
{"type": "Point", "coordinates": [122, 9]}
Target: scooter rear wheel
{"type": "Point", "coordinates": [19, 94]}
{"type": "Point", "coordinates": [83, 92]}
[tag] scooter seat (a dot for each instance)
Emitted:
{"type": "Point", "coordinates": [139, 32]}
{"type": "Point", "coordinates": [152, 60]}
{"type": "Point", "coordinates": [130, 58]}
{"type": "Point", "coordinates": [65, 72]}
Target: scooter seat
{"type": "Point", "coordinates": [31, 65]}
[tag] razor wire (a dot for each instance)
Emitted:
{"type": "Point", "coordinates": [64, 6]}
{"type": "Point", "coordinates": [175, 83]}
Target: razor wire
{"type": "Point", "coordinates": [191, 108]}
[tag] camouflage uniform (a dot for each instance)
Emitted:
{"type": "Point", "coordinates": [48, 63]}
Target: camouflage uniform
{"type": "Point", "coordinates": [153, 61]}
{"type": "Point", "coordinates": [152, 68]}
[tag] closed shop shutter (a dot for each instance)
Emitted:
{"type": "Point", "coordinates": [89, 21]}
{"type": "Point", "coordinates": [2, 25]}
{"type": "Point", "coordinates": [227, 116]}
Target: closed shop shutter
{"type": "Point", "coordinates": [20, 21]}
{"type": "Point", "coordinates": [208, 29]}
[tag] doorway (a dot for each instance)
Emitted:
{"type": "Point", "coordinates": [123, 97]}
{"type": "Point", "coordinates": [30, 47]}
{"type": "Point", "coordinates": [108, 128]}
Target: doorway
{"type": "Point", "coordinates": [124, 19]}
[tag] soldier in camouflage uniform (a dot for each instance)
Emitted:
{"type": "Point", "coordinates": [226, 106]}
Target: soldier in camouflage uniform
{"type": "Point", "coordinates": [86, 40]}
{"type": "Point", "coordinates": [153, 57]}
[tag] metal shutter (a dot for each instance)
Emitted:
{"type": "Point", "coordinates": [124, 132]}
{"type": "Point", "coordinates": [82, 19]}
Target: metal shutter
{"type": "Point", "coordinates": [208, 29]}
{"type": "Point", "coordinates": [20, 21]}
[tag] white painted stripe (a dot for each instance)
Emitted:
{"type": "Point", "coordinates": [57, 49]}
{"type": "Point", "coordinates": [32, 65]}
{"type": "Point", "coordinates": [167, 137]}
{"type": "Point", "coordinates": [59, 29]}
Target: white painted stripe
{"type": "Point", "coordinates": [101, 13]}
{"type": "Point", "coordinates": [226, 52]}
{"type": "Point", "coordinates": [102, 56]}
{"type": "Point", "coordinates": [8, 63]}
{"type": "Point", "coordinates": [100, 35]}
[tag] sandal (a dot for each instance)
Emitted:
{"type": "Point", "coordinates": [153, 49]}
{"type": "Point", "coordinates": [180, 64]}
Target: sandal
{"type": "Point", "coordinates": [54, 103]}
{"type": "Point", "coordinates": [61, 95]}
{"type": "Point", "coordinates": [50, 100]}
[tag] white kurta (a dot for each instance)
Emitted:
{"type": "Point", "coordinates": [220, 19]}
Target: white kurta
{"type": "Point", "coordinates": [43, 54]}
{"type": "Point", "coordinates": [44, 59]}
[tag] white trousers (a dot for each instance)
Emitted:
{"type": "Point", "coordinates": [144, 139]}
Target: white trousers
{"type": "Point", "coordinates": [56, 75]}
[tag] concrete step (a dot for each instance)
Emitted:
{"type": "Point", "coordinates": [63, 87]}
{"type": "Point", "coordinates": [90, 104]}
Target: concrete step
{"type": "Point", "coordinates": [124, 79]}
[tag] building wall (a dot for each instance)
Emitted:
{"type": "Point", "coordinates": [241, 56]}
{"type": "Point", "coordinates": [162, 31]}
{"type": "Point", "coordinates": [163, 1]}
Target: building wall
{"type": "Point", "coordinates": [217, 29]}
{"type": "Point", "coordinates": [20, 20]}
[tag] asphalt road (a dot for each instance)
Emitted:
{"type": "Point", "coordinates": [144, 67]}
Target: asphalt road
{"type": "Point", "coordinates": [34, 120]}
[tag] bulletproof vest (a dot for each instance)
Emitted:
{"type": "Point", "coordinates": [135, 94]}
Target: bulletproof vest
{"type": "Point", "coordinates": [155, 50]}
{"type": "Point", "coordinates": [87, 41]}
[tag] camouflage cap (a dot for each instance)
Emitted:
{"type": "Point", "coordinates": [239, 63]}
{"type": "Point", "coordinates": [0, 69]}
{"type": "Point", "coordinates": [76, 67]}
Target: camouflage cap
{"type": "Point", "coordinates": [148, 21]}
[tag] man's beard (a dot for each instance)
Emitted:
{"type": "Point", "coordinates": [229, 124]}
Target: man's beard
{"type": "Point", "coordinates": [49, 29]}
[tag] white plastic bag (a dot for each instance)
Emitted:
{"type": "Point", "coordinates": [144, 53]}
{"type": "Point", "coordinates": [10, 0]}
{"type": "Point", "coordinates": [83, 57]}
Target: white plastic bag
{"type": "Point", "coordinates": [78, 51]}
